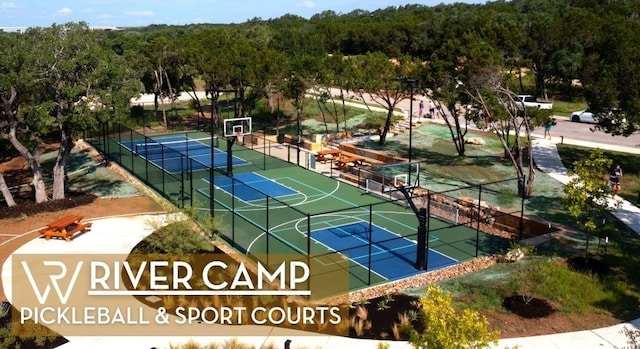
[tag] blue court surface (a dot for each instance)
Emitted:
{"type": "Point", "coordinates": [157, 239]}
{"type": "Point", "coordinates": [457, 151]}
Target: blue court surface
{"type": "Point", "coordinates": [251, 186]}
{"type": "Point", "coordinates": [173, 153]}
{"type": "Point", "coordinates": [391, 256]}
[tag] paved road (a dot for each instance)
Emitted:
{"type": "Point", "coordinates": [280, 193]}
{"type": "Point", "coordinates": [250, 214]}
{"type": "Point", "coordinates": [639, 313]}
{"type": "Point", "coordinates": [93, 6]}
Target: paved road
{"type": "Point", "coordinates": [564, 129]}
{"type": "Point", "coordinates": [582, 132]}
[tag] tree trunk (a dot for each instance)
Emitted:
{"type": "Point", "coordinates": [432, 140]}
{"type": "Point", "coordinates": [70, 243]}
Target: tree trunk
{"type": "Point", "coordinates": [8, 198]}
{"type": "Point", "coordinates": [344, 111]}
{"type": "Point", "coordinates": [324, 117]}
{"type": "Point", "coordinates": [172, 94]}
{"type": "Point", "coordinates": [38, 184]}
{"type": "Point", "coordinates": [532, 172]}
{"type": "Point", "coordinates": [455, 130]}
{"type": "Point", "coordinates": [10, 112]}
{"type": "Point", "coordinates": [387, 126]}
{"type": "Point", "coordinates": [66, 144]}
{"type": "Point", "coordinates": [268, 91]}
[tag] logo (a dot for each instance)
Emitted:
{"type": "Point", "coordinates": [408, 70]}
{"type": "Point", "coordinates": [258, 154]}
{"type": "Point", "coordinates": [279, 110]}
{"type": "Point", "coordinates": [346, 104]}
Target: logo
{"type": "Point", "coordinates": [139, 294]}
{"type": "Point", "coordinates": [55, 281]}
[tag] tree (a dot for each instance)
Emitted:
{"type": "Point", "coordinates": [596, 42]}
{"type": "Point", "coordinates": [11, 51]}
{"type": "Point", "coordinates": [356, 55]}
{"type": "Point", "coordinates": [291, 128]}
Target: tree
{"type": "Point", "coordinates": [587, 193]}
{"type": "Point", "coordinates": [297, 85]}
{"type": "Point", "coordinates": [498, 110]}
{"type": "Point", "coordinates": [444, 87]}
{"type": "Point", "coordinates": [270, 72]}
{"type": "Point", "coordinates": [79, 83]}
{"type": "Point", "coordinates": [214, 56]}
{"type": "Point", "coordinates": [611, 74]}
{"type": "Point", "coordinates": [446, 328]}
{"type": "Point", "coordinates": [451, 77]}
{"type": "Point", "coordinates": [379, 76]}
{"type": "Point", "coordinates": [6, 193]}
{"type": "Point", "coordinates": [22, 120]}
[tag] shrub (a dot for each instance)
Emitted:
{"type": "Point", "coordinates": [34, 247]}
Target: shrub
{"type": "Point", "coordinates": [179, 237]}
{"type": "Point", "coordinates": [445, 328]}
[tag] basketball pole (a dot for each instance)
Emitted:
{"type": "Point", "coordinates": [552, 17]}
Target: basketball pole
{"type": "Point", "coordinates": [230, 141]}
{"type": "Point", "coordinates": [421, 262]}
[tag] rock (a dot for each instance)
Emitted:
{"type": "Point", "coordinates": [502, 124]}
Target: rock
{"type": "Point", "coordinates": [512, 256]}
{"type": "Point", "coordinates": [474, 141]}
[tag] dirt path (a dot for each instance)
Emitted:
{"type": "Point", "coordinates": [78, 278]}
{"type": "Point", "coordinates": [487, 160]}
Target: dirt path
{"type": "Point", "coordinates": [14, 232]}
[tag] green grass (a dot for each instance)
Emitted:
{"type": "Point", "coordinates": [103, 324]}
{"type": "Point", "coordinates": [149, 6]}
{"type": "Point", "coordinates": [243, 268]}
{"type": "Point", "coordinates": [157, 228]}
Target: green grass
{"type": "Point", "coordinates": [550, 279]}
{"type": "Point", "coordinates": [564, 108]}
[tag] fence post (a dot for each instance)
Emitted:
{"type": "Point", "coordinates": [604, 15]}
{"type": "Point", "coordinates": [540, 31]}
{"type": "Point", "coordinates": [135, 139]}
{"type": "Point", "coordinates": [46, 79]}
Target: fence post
{"type": "Point", "coordinates": [478, 223]}
{"type": "Point", "coordinates": [370, 242]}
{"type": "Point", "coordinates": [524, 180]}
{"type": "Point", "coordinates": [266, 230]}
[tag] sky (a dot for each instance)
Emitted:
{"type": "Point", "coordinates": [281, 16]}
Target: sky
{"type": "Point", "coordinates": [134, 13]}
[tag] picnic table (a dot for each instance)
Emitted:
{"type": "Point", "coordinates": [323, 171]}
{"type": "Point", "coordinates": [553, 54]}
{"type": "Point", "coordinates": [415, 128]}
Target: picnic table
{"type": "Point", "coordinates": [65, 227]}
{"type": "Point", "coordinates": [350, 161]}
{"type": "Point", "coordinates": [328, 154]}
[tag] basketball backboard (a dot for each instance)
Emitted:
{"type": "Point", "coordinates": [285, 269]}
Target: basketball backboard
{"type": "Point", "coordinates": [237, 127]}
{"type": "Point", "coordinates": [388, 178]}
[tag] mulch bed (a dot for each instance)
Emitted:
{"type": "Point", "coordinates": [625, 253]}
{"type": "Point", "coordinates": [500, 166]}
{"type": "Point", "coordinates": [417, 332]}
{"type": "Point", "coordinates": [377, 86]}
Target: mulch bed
{"type": "Point", "coordinates": [27, 206]}
{"type": "Point", "coordinates": [528, 308]}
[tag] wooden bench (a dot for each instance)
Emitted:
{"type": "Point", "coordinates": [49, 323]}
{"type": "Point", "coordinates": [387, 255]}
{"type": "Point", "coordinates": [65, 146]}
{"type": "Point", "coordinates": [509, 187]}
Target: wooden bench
{"type": "Point", "coordinates": [328, 154]}
{"type": "Point", "coordinates": [65, 227]}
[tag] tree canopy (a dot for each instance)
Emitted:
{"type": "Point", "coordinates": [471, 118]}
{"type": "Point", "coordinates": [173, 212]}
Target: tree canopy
{"type": "Point", "coordinates": [51, 79]}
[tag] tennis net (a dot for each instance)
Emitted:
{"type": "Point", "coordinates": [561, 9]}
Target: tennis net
{"type": "Point", "coordinates": [185, 147]}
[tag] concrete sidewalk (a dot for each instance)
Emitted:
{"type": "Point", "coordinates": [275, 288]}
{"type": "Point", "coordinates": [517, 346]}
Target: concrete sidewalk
{"type": "Point", "coordinates": [547, 159]}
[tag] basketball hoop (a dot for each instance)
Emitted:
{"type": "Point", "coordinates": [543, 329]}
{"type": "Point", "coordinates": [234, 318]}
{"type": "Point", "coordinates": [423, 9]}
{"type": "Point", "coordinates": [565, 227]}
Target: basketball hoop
{"type": "Point", "coordinates": [240, 137]}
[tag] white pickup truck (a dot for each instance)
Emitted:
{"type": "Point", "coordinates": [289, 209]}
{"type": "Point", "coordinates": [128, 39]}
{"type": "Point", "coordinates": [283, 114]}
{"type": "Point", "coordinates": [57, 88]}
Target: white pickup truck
{"type": "Point", "coordinates": [530, 101]}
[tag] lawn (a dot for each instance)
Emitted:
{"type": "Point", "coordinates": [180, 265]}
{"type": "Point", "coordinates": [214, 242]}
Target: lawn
{"type": "Point", "coordinates": [630, 183]}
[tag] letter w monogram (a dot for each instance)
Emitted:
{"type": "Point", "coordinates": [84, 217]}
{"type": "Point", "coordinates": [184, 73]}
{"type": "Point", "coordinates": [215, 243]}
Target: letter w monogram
{"type": "Point", "coordinates": [55, 278]}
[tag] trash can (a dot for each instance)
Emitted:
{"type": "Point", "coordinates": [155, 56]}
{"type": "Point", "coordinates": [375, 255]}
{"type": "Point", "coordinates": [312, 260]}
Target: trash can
{"type": "Point", "coordinates": [281, 138]}
{"type": "Point", "coordinates": [312, 161]}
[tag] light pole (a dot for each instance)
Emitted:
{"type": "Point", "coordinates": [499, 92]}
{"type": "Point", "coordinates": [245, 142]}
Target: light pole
{"type": "Point", "coordinates": [239, 107]}
{"type": "Point", "coordinates": [410, 82]}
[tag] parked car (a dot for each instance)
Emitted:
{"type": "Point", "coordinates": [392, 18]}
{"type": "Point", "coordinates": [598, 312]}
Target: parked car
{"type": "Point", "coordinates": [588, 116]}
{"type": "Point", "coordinates": [530, 101]}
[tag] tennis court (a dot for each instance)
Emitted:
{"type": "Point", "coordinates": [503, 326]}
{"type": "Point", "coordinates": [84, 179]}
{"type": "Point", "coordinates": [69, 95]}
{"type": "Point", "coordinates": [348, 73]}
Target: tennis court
{"type": "Point", "coordinates": [293, 210]}
{"type": "Point", "coordinates": [172, 153]}
{"type": "Point", "coordinates": [271, 206]}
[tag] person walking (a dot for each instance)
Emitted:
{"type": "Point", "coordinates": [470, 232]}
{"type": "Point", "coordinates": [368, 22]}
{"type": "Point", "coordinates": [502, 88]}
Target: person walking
{"type": "Point", "coordinates": [432, 109]}
{"type": "Point", "coordinates": [548, 126]}
{"type": "Point", "coordinates": [614, 179]}
{"type": "Point", "coordinates": [421, 108]}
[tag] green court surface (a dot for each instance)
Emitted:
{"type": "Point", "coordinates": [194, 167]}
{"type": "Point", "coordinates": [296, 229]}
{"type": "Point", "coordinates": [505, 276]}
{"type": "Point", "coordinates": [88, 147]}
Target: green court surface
{"type": "Point", "coordinates": [281, 225]}
{"type": "Point", "coordinates": [374, 237]}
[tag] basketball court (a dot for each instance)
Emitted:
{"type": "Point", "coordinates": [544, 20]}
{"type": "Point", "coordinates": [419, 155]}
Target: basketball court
{"type": "Point", "coordinates": [265, 206]}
